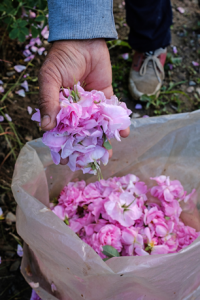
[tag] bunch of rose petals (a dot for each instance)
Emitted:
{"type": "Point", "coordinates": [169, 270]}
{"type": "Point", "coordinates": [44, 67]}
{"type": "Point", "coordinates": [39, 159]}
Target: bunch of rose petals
{"type": "Point", "coordinates": [84, 123]}
{"type": "Point", "coordinates": [117, 212]}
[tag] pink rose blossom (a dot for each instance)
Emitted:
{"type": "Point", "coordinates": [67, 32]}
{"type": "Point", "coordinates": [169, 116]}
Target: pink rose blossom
{"type": "Point", "coordinates": [85, 122]}
{"type": "Point", "coordinates": [117, 212]}
{"type": "Point", "coordinates": [110, 235]}
{"type": "Point", "coordinates": [123, 209]}
{"type": "Point", "coordinates": [132, 239]}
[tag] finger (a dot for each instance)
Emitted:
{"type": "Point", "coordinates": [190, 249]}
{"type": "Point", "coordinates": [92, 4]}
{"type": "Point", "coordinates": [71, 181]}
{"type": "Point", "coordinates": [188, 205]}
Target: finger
{"type": "Point", "coordinates": [49, 83]}
{"type": "Point", "coordinates": [124, 133]}
{"type": "Point", "coordinates": [64, 161]}
{"type": "Point", "coordinates": [108, 92]}
{"type": "Point", "coordinates": [100, 76]}
{"type": "Point", "coordinates": [110, 153]}
{"type": "Point", "coordinates": [191, 220]}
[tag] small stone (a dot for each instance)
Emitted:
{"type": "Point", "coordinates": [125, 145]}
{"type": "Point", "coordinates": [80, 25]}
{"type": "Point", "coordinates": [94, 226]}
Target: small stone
{"type": "Point", "coordinates": [10, 218]}
{"type": "Point", "coordinates": [192, 83]}
{"type": "Point", "coordinates": [190, 89]}
{"type": "Point", "coordinates": [135, 115]}
{"type": "Point", "coordinates": [15, 266]}
{"type": "Point", "coordinates": [11, 73]}
{"type": "Point", "coordinates": [198, 91]}
{"type": "Point", "coordinates": [10, 95]}
{"type": "Point", "coordinates": [8, 65]}
{"type": "Point", "coordinates": [28, 138]}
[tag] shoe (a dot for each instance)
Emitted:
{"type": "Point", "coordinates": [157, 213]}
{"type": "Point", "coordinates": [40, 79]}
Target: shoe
{"type": "Point", "coordinates": [147, 73]}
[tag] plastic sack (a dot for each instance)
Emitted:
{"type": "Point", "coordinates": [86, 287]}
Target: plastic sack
{"type": "Point", "coordinates": [53, 254]}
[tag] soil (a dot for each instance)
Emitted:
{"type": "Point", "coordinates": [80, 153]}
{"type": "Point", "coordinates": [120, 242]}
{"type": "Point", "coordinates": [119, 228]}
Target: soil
{"type": "Point", "coordinates": [185, 36]}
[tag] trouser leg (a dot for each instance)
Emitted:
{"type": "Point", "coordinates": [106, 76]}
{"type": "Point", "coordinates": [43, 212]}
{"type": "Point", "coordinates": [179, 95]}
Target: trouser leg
{"type": "Point", "coordinates": [149, 22]}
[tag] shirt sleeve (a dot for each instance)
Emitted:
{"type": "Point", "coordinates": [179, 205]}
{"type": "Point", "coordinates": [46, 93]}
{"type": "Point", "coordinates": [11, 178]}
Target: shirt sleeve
{"type": "Point", "coordinates": [81, 19]}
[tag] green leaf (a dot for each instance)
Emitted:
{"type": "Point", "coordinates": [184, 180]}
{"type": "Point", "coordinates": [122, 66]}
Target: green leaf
{"type": "Point", "coordinates": [110, 251]}
{"type": "Point", "coordinates": [34, 32]}
{"type": "Point", "coordinates": [25, 30]}
{"type": "Point", "coordinates": [34, 79]}
{"type": "Point", "coordinates": [107, 145]}
{"type": "Point", "coordinates": [22, 37]}
{"type": "Point", "coordinates": [147, 248]}
{"type": "Point", "coordinates": [40, 18]}
{"type": "Point", "coordinates": [2, 8]}
{"type": "Point", "coordinates": [66, 221]}
{"type": "Point", "coordinates": [176, 60]}
{"type": "Point", "coordinates": [7, 20]}
{"type": "Point", "coordinates": [105, 259]}
{"type": "Point", "coordinates": [148, 105]}
{"type": "Point", "coordinates": [14, 33]}
{"type": "Point", "coordinates": [15, 25]}
{"type": "Point", "coordinates": [145, 98]}
{"type": "Point", "coordinates": [118, 43]}
{"type": "Point", "coordinates": [22, 23]}
{"type": "Point", "coordinates": [42, 4]}
{"type": "Point", "coordinates": [172, 85]}
{"type": "Point", "coordinates": [14, 12]}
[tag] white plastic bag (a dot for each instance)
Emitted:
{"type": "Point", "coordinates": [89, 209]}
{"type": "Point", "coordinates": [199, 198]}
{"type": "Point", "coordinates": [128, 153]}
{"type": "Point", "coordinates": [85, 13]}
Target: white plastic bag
{"type": "Point", "coordinates": [167, 145]}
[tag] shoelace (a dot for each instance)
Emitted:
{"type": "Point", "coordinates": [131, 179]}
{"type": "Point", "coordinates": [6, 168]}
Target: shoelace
{"type": "Point", "coordinates": [156, 65]}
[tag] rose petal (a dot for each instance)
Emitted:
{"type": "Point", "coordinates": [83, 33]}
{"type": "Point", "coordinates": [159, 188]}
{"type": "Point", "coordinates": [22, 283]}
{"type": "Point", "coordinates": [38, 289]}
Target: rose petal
{"type": "Point", "coordinates": [27, 52]}
{"type": "Point", "coordinates": [138, 106]}
{"type": "Point", "coordinates": [34, 296]}
{"type": "Point", "coordinates": [195, 64]}
{"type": "Point", "coordinates": [53, 287]}
{"type": "Point", "coordinates": [21, 93]}
{"type": "Point", "coordinates": [175, 50]}
{"type": "Point", "coordinates": [25, 86]}
{"type": "Point", "coordinates": [8, 118]}
{"type": "Point", "coordinates": [34, 49]}
{"type": "Point", "coordinates": [32, 14]}
{"type": "Point", "coordinates": [19, 68]}
{"type": "Point", "coordinates": [125, 56]}
{"type": "Point", "coordinates": [19, 250]}
{"type": "Point", "coordinates": [41, 50]}
{"type": "Point", "coordinates": [34, 285]}
{"type": "Point", "coordinates": [29, 58]}
{"type": "Point", "coordinates": [45, 32]}
{"type": "Point", "coordinates": [181, 9]}
{"type": "Point", "coordinates": [30, 110]}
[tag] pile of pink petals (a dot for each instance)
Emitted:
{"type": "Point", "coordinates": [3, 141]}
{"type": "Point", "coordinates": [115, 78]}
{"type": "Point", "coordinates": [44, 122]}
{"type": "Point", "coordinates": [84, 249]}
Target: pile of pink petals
{"type": "Point", "coordinates": [116, 212]}
{"type": "Point", "coordinates": [84, 123]}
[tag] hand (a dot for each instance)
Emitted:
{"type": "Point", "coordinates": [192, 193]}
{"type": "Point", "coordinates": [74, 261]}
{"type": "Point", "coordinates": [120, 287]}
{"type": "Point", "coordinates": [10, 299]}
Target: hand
{"type": "Point", "coordinates": [192, 220]}
{"type": "Point", "coordinates": [86, 61]}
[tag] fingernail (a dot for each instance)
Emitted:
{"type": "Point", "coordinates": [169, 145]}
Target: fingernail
{"type": "Point", "coordinates": [45, 121]}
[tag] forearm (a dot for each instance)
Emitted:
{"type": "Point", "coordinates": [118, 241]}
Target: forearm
{"type": "Point", "coordinates": [81, 19]}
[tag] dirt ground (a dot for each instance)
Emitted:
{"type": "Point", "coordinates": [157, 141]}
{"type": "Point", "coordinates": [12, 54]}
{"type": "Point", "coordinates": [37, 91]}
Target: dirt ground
{"type": "Point", "coordinates": [183, 78]}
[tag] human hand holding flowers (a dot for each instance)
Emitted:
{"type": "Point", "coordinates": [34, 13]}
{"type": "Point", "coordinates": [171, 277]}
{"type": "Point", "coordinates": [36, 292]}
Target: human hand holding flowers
{"type": "Point", "coordinates": [89, 62]}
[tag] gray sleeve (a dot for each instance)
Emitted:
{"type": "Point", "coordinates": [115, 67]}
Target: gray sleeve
{"type": "Point", "coordinates": [81, 19]}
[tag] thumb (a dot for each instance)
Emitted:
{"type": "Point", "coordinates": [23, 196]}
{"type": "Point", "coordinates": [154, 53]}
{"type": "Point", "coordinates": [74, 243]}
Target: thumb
{"type": "Point", "coordinates": [49, 84]}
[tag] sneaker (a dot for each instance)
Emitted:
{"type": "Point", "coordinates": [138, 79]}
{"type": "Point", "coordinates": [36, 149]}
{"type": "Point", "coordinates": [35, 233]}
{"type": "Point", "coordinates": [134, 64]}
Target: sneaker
{"type": "Point", "coordinates": [147, 73]}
